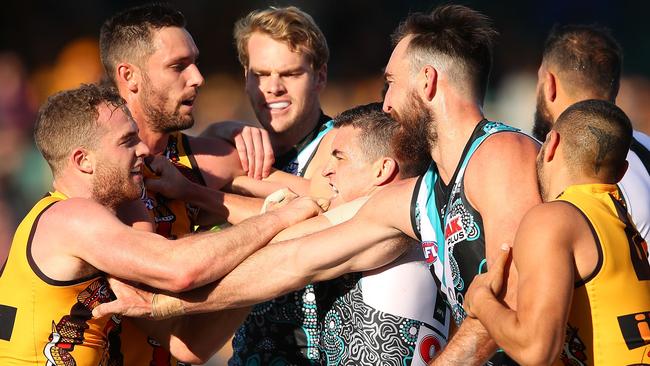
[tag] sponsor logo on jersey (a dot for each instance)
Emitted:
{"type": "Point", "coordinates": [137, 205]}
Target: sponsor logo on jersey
{"type": "Point", "coordinates": [454, 230]}
{"type": "Point", "coordinates": [635, 329]}
{"type": "Point", "coordinates": [430, 249]}
{"type": "Point", "coordinates": [429, 347]}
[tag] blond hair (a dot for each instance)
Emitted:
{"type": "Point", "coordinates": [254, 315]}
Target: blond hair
{"type": "Point", "coordinates": [289, 25]}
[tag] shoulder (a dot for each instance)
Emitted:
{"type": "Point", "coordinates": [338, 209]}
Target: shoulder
{"type": "Point", "coordinates": [552, 219]}
{"type": "Point", "coordinates": [201, 145]}
{"type": "Point", "coordinates": [506, 146]}
{"type": "Point", "coordinates": [76, 211]}
{"type": "Point", "coordinates": [215, 158]}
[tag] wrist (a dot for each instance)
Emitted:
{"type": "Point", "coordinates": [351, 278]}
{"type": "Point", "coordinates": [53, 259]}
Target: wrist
{"type": "Point", "coordinates": [164, 307]}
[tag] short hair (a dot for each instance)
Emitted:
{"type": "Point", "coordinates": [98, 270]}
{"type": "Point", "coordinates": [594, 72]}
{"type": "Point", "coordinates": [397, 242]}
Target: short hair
{"type": "Point", "coordinates": [454, 38]}
{"type": "Point", "coordinates": [596, 136]}
{"type": "Point", "coordinates": [586, 57]}
{"type": "Point", "coordinates": [376, 133]}
{"type": "Point", "coordinates": [69, 119]}
{"type": "Point", "coordinates": [128, 35]}
{"type": "Point", "coordinates": [289, 25]}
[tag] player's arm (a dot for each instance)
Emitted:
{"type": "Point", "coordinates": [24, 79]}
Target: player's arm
{"type": "Point", "coordinates": [194, 339]}
{"type": "Point", "coordinates": [533, 334]}
{"type": "Point", "coordinates": [215, 206]}
{"type": "Point", "coordinates": [114, 248]}
{"type": "Point", "coordinates": [278, 179]}
{"type": "Point", "coordinates": [292, 264]}
{"type": "Point", "coordinates": [134, 214]}
{"type": "Point", "coordinates": [501, 184]}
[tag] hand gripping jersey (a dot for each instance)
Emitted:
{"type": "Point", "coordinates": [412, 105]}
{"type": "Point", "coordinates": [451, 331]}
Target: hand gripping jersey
{"type": "Point", "coordinates": [386, 316]}
{"type": "Point", "coordinates": [46, 322]}
{"type": "Point", "coordinates": [450, 229]}
{"type": "Point", "coordinates": [635, 184]}
{"type": "Point", "coordinates": [609, 319]}
{"type": "Point", "coordinates": [172, 219]}
{"type": "Point", "coordinates": [284, 331]}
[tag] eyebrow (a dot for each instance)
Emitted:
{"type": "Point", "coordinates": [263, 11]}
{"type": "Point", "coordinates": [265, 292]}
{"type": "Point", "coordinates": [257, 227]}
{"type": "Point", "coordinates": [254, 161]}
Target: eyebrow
{"type": "Point", "coordinates": [337, 152]}
{"type": "Point", "coordinates": [128, 135]}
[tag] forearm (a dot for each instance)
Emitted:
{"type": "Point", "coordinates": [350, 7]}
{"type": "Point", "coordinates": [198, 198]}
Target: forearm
{"type": "Point", "coordinates": [205, 258]}
{"type": "Point", "coordinates": [217, 206]}
{"type": "Point", "coordinates": [260, 278]}
{"type": "Point", "coordinates": [529, 340]}
{"type": "Point", "coordinates": [471, 345]}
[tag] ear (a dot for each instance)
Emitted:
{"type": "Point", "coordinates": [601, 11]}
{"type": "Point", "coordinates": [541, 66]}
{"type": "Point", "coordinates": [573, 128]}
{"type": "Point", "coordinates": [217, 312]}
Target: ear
{"type": "Point", "coordinates": [127, 74]}
{"type": "Point", "coordinates": [82, 161]}
{"type": "Point", "coordinates": [551, 144]}
{"type": "Point", "coordinates": [622, 171]}
{"type": "Point", "coordinates": [429, 78]}
{"type": "Point", "coordinates": [550, 86]}
{"type": "Point", "coordinates": [385, 169]}
{"type": "Point", "coordinates": [321, 78]}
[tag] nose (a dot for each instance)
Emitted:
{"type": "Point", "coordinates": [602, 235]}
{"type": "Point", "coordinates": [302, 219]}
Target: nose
{"type": "Point", "coordinates": [328, 169]}
{"type": "Point", "coordinates": [196, 79]}
{"type": "Point", "coordinates": [387, 105]}
{"type": "Point", "coordinates": [141, 149]}
{"type": "Point", "coordinates": [275, 85]}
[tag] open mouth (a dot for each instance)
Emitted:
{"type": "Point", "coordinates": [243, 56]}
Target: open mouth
{"type": "Point", "coordinates": [278, 105]}
{"type": "Point", "coordinates": [189, 101]}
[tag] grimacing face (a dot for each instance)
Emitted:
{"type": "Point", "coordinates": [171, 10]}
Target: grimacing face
{"type": "Point", "coordinates": [170, 81]}
{"type": "Point", "coordinates": [281, 84]}
{"type": "Point", "coordinates": [348, 170]}
{"type": "Point", "coordinates": [117, 176]}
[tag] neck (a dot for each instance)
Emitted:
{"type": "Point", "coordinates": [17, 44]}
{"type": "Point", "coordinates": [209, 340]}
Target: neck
{"type": "Point", "coordinates": [456, 119]}
{"type": "Point", "coordinates": [75, 187]}
{"type": "Point", "coordinates": [284, 141]}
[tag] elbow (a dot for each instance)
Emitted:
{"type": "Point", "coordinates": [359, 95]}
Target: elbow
{"type": "Point", "coordinates": [181, 281]}
{"type": "Point", "coordinates": [186, 355]}
{"type": "Point", "coordinates": [538, 353]}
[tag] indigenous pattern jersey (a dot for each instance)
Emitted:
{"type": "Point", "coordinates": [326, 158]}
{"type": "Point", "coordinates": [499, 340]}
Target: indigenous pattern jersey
{"type": "Point", "coordinates": [635, 184]}
{"type": "Point", "coordinates": [48, 322]}
{"type": "Point", "coordinates": [284, 331]}
{"type": "Point", "coordinates": [384, 317]}
{"type": "Point", "coordinates": [450, 229]}
{"type": "Point", "coordinates": [609, 319]}
{"type": "Point", "coordinates": [172, 219]}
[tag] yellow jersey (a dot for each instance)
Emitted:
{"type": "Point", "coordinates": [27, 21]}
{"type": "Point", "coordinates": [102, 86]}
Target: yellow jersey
{"type": "Point", "coordinates": [173, 219]}
{"type": "Point", "coordinates": [47, 322]}
{"type": "Point", "coordinates": [609, 319]}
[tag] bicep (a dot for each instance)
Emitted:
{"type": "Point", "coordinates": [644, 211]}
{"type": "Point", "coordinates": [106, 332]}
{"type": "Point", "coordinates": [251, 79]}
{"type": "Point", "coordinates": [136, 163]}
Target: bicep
{"type": "Point", "coordinates": [544, 258]}
{"type": "Point", "coordinates": [112, 247]}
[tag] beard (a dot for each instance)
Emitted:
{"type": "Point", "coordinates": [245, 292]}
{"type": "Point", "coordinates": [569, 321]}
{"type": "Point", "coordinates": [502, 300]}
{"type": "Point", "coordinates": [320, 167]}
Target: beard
{"type": "Point", "coordinates": [416, 135]}
{"type": "Point", "coordinates": [111, 187]}
{"type": "Point", "coordinates": [543, 121]}
{"type": "Point", "coordinates": [153, 105]}
{"type": "Point", "coordinates": [539, 167]}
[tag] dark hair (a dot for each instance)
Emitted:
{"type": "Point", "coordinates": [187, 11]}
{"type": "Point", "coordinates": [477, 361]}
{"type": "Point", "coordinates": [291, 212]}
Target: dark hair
{"type": "Point", "coordinates": [596, 135]}
{"type": "Point", "coordinates": [586, 57]}
{"type": "Point", "coordinates": [68, 120]}
{"type": "Point", "coordinates": [376, 133]}
{"type": "Point", "coordinates": [462, 35]}
{"type": "Point", "coordinates": [127, 36]}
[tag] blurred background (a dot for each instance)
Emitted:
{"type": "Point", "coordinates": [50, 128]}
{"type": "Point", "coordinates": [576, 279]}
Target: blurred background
{"type": "Point", "coordinates": [47, 46]}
